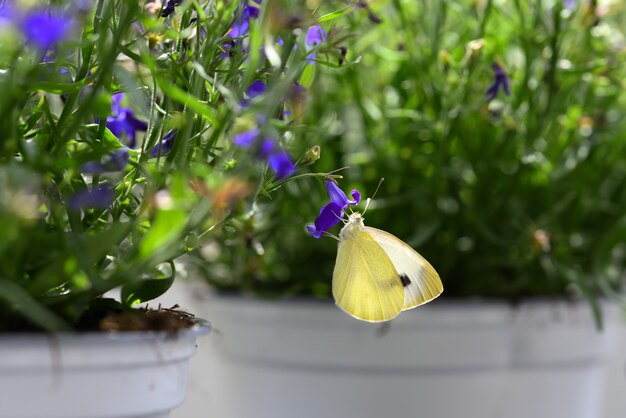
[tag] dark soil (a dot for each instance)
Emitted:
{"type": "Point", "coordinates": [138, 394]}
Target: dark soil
{"type": "Point", "coordinates": [108, 315]}
{"type": "Point", "coordinates": [161, 319]}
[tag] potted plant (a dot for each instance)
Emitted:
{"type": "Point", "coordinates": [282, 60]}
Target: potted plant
{"type": "Point", "coordinates": [497, 130]}
{"type": "Point", "coordinates": [114, 163]}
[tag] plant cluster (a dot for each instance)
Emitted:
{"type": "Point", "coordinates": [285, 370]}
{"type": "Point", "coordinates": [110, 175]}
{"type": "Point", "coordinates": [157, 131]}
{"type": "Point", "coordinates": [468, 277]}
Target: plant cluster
{"type": "Point", "coordinates": [135, 133]}
{"type": "Point", "coordinates": [130, 133]}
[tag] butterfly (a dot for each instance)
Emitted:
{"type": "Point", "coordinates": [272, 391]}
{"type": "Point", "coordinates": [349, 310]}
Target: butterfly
{"type": "Point", "coordinates": [377, 275]}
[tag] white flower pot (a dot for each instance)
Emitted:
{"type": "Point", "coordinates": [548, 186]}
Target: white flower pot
{"type": "Point", "coordinates": [273, 359]}
{"type": "Point", "coordinates": [95, 375]}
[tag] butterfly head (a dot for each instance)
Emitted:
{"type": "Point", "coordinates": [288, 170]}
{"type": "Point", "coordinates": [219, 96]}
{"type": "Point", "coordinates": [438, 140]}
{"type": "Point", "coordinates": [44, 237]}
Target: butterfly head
{"type": "Point", "coordinates": [352, 226]}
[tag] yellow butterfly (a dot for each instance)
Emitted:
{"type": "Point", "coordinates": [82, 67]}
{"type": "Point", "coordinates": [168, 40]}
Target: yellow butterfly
{"type": "Point", "coordinates": [377, 275]}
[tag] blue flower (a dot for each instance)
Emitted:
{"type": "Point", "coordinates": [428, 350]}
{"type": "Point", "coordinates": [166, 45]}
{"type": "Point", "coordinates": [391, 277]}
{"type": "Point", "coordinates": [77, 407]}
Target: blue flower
{"type": "Point", "coordinates": [44, 30]}
{"type": "Point", "coordinates": [501, 81]}
{"type": "Point", "coordinates": [123, 121]}
{"type": "Point", "coordinates": [314, 36]}
{"type": "Point", "coordinates": [278, 160]}
{"type": "Point", "coordinates": [256, 89]}
{"type": "Point", "coordinates": [115, 162]}
{"type": "Point", "coordinates": [165, 146]}
{"type": "Point", "coordinates": [99, 197]}
{"type": "Point", "coordinates": [281, 164]}
{"type": "Point", "coordinates": [333, 211]}
{"type": "Point", "coordinates": [241, 26]}
{"type": "Point", "coordinates": [246, 139]}
{"type": "Point", "coordinates": [170, 7]}
{"type": "Point", "coordinates": [267, 148]}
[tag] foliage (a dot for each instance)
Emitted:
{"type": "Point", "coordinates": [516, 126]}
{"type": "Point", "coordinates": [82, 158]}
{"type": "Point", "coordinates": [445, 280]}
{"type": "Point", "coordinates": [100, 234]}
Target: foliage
{"type": "Point", "coordinates": [506, 195]}
{"type": "Point", "coordinates": [121, 150]}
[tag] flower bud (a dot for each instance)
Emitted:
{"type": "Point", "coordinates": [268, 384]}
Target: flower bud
{"type": "Point", "coordinates": [312, 155]}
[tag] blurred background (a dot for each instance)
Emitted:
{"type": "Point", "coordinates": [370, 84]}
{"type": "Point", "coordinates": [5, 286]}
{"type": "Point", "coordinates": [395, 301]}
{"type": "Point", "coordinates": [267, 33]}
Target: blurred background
{"type": "Point", "coordinates": [498, 128]}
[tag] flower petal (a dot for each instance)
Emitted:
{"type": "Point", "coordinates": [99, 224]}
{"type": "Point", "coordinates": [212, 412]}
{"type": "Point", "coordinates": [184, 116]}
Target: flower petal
{"type": "Point", "coordinates": [314, 232]}
{"type": "Point", "coordinates": [246, 139]}
{"type": "Point", "coordinates": [356, 196]}
{"type": "Point", "coordinates": [98, 198]}
{"type": "Point", "coordinates": [501, 81]}
{"type": "Point", "coordinates": [267, 148]}
{"type": "Point", "coordinates": [44, 30]}
{"type": "Point", "coordinates": [255, 89]}
{"type": "Point", "coordinates": [329, 216]}
{"type": "Point", "coordinates": [315, 35]}
{"type": "Point", "coordinates": [281, 164]}
{"type": "Point", "coordinates": [117, 103]}
{"type": "Point", "coordinates": [136, 124]}
{"type": "Point", "coordinates": [165, 146]}
{"type": "Point", "coordinates": [336, 194]}
{"type": "Point", "coordinates": [250, 12]}
{"type": "Point", "coordinates": [123, 121]}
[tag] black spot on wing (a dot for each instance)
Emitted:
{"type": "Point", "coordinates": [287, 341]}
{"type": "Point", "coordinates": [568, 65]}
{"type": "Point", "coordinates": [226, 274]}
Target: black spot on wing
{"type": "Point", "coordinates": [405, 280]}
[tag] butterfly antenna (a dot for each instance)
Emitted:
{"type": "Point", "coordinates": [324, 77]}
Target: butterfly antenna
{"type": "Point", "coordinates": [333, 236]}
{"type": "Point", "coordinates": [369, 200]}
{"type": "Point", "coordinates": [367, 205]}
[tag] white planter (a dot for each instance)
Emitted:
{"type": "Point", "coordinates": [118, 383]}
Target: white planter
{"type": "Point", "coordinates": [442, 360]}
{"type": "Point", "coordinates": [95, 375]}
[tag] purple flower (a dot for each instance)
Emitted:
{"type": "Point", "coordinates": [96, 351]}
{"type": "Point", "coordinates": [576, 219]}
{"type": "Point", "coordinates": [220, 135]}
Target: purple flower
{"type": "Point", "coordinates": [115, 162]}
{"type": "Point", "coordinates": [246, 139]}
{"type": "Point", "coordinates": [333, 211]}
{"type": "Point", "coordinates": [256, 89]}
{"type": "Point", "coordinates": [241, 26]}
{"type": "Point", "coordinates": [281, 164]}
{"type": "Point", "coordinates": [99, 197]}
{"type": "Point", "coordinates": [165, 146]}
{"type": "Point", "coordinates": [314, 36]}
{"type": "Point", "coordinates": [278, 160]}
{"type": "Point", "coordinates": [123, 121]}
{"type": "Point", "coordinates": [501, 81]}
{"type": "Point", "coordinates": [267, 148]}
{"type": "Point", "coordinates": [43, 30]}
{"type": "Point", "coordinates": [170, 7]}
{"type": "Point", "coordinates": [6, 9]}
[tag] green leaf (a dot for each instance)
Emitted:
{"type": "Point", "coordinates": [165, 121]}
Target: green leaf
{"type": "Point", "coordinates": [59, 88]}
{"type": "Point", "coordinates": [168, 225]}
{"type": "Point", "coordinates": [307, 77]}
{"type": "Point", "coordinates": [181, 96]}
{"type": "Point", "coordinates": [147, 289]}
{"type": "Point", "coordinates": [334, 15]}
{"type": "Point", "coordinates": [108, 142]}
{"type": "Point", "coordinates": [96, 246]}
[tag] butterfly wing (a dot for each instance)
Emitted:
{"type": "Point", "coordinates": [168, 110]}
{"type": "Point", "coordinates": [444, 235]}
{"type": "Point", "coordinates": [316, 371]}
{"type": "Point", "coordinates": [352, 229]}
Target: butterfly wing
{"type": "Point", "coordinates": [421, 282]}
{"type": "Point", "coordinates": [365, 282]}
